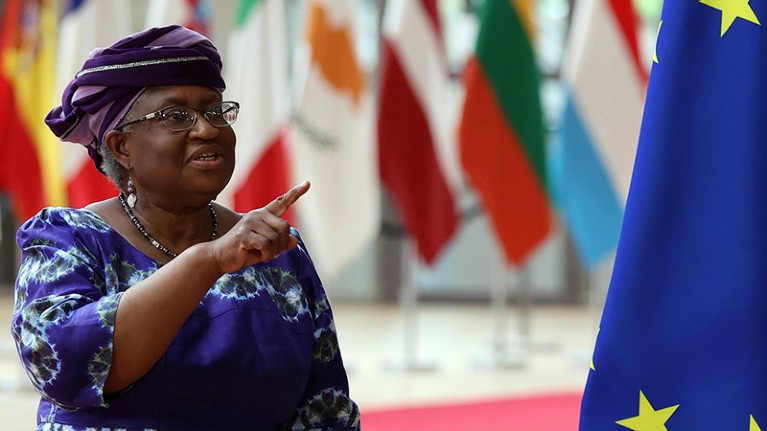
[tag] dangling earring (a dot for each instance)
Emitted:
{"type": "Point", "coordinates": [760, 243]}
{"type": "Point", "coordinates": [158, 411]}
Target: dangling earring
{"type": "Point", "coordinates": [131, 190]}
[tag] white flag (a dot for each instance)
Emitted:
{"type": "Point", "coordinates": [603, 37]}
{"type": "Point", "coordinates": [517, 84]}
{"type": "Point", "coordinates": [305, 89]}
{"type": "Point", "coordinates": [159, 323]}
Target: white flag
{"type": "Point", "coordinates": [332, 137]}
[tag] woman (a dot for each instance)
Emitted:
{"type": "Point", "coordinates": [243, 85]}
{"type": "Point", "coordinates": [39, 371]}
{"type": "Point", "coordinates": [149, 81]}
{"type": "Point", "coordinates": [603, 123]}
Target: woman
{"type": "Point", "coordinates": [158, 308]}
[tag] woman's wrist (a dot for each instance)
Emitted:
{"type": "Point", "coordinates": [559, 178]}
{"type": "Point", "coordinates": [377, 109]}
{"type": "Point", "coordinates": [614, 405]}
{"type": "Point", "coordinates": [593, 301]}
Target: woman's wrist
{"type": "Point", "coordinates": [202, 259]}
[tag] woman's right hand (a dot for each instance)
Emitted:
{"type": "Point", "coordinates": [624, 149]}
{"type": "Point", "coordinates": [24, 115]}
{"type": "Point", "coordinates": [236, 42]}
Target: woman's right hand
{"type": "Point", "coordinates": [260, 236]}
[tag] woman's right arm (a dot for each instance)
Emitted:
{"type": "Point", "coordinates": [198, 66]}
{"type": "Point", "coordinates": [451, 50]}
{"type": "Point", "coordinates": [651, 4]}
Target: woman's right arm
{"type": "Point", "coordinates": [152, 311]}
{"type": "Point", "coordinates": [82, 336]}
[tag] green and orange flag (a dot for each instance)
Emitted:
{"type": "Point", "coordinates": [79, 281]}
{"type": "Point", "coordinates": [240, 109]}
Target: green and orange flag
{"type": "Point", "coordinates": [502, 137]}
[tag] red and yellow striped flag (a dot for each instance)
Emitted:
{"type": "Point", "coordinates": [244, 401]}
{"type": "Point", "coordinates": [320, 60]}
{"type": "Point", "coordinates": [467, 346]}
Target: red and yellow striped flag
{"type": "Point", "coordinates": [29, 168]}
{"type": "Point", "coordinates": [502, 138]}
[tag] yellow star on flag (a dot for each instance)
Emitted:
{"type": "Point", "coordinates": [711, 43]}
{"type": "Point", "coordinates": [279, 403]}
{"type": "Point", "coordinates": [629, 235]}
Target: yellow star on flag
{"type": "Point", "coordinates": [732, 9]}
{"type": "Point", "coordinates": [754, 426]}
{"type": "Point", "coordinates": [648, 419]}
{"type": "Point", "coordinates": [591, 366]}
{"type": "Point", "coordinates": [655, 53]}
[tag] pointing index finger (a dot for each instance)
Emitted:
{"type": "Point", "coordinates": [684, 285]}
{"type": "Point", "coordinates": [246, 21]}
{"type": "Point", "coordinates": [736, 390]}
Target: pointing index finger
{"type": "Point", "coordinates": [282, 203]}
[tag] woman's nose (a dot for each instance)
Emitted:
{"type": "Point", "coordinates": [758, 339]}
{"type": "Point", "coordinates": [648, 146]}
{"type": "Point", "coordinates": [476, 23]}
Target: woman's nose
{"type": "Point", "coordinates": [202, 128]}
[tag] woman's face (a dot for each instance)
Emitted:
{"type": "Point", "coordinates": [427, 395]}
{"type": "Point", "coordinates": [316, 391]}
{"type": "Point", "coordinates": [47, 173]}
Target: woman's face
{"type": "Point", "coordinates": [179, 167]}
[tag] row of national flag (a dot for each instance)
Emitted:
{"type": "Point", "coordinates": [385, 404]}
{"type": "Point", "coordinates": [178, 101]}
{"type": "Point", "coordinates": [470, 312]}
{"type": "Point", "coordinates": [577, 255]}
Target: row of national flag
{"type": "Point", "coordinates": [315, 116]}
{"type": "Point", "coordinates": [681, 344]}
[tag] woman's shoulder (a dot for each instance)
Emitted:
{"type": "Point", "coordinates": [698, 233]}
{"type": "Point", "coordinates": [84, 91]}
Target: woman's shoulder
{"type": "Point", "coordinates": [55, 217]}
{"type": "Point", "coordinates": [61, 223]}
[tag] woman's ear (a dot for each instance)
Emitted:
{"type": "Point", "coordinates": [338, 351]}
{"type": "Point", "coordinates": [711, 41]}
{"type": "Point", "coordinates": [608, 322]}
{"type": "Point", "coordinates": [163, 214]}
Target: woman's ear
{"type": "Point", "coordinates": [117, 144]}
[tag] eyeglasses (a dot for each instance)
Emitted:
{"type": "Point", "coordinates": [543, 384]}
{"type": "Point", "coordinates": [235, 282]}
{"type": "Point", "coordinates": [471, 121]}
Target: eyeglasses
{"type": "Point", "coordinates": [180, 118]}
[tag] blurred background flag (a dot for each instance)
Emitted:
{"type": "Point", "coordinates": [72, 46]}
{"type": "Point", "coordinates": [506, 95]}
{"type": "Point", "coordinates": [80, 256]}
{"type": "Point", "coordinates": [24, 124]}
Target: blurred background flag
{"type": "Point", "coordinates": [257, 72]}
{"type": "Point", "coordinates": [502, 138]}
{"type": "Point", "coordinates": [29, 169]}
{"type": "Point", "coordinates": [594, 154]}
{"type": "Point", "coordinates": [681, 344]}
{"type": "Point", "coordinates": [86, 24]}
{"type": "Point", "coordinates": [193, 14]}
{"type": "Point", "coordinates": [413, 123]}
{"type": "Point", "coordinates": [332, 135]}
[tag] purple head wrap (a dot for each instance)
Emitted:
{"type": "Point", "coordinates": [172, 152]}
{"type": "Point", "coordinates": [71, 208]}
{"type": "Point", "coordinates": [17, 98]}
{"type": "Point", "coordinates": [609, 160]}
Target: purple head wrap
{"type": "Point", "coordinates": [112, 79]}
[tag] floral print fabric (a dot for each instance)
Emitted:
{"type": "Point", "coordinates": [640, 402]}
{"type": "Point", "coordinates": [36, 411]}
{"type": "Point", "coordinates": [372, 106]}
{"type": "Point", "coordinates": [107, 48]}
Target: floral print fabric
{"type": "Point", "coordinates": [260, 352]}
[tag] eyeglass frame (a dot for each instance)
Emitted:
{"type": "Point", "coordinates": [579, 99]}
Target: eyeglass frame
{"type": "Point", "coordinates": [161, 115]}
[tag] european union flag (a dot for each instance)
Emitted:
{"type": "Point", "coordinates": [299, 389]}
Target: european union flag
{"type": "Point", "coordinates": [683, 339]}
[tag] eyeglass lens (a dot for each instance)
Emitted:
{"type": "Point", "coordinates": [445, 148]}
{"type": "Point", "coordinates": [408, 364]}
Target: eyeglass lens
{"type": "Point", "coordinates": [218, 115]}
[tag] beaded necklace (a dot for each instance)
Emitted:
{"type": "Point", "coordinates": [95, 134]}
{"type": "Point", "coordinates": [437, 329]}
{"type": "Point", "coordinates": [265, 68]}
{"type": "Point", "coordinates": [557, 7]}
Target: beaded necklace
{"type": "Point", "coordinates": [154, 242]}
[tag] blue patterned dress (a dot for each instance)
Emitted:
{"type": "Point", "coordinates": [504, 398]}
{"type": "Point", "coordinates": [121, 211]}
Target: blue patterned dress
{"type": "Point", "coordinates": [260, 352]}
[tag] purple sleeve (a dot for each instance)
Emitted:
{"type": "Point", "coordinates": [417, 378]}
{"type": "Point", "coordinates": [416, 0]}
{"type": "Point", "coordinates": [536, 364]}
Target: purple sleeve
{"type": "Point", "coordinates": [325, 405]}
{"type": "Point", "coordinates": [65, 306]}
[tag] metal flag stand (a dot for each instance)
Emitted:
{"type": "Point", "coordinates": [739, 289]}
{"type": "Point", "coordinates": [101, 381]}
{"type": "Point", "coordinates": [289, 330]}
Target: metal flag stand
{"type": "Point", "coordinates": [512, 351]}
{"type": "Point", "coordinates": [408, 304]}
{"type": "Point", "coordinates": [596, 280]}
{"type": "Point", "coordinates": [501, 356]}
{"type": "Point", "coordinates": [525, 340]}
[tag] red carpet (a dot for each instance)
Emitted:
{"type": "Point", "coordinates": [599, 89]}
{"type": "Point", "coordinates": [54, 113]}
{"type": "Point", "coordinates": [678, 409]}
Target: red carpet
{"type": "Point", "coordinates": [541, 413]}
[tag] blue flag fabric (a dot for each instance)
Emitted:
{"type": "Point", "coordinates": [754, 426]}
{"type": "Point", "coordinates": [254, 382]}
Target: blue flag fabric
{"type": "Point", "coordinates": [586, 197]}
{"type": "Point", "coordinates": [683, 339]}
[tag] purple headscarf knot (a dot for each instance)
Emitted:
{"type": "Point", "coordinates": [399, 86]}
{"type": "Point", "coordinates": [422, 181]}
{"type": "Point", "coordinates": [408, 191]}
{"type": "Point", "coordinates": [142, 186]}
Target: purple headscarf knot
{"type": "Point", "coordinates": [112, 79]}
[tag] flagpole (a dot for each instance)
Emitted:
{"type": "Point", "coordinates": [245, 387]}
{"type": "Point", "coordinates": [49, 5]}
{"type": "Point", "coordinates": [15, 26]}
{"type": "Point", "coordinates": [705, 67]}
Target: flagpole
{"type": "Point", "coordinates": [501, 355]}
{"type": "Point", "coordinates": [525, 340]}
{"type": "Point", "coordinates": [7, 244]}
{"type": "Point", "coordinates": [596, 281]}
{"type": "Point", "coordinates": [525, 303]}
{"type": "Point", "coordinates": [408, 304]}
{"type": "Point", "coordinates": [581, 356]}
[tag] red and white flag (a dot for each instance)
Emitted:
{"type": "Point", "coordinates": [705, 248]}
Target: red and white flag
{"type": "Point", "coordinates": [413, 124]}
{"type": "Point", "coordinates": [257, 76]}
